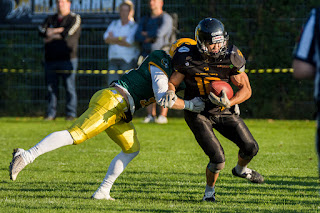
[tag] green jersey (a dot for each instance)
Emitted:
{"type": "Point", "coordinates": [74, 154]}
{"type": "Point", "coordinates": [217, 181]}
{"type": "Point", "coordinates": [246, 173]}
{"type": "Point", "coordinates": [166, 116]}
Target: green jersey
{"type": "Point", "coordinates": [138, 81]}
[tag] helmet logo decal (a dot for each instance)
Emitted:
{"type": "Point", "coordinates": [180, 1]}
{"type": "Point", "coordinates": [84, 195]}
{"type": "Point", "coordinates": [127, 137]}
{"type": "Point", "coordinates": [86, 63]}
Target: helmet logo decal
{"type": "Point", "coordinates": [217, 39]}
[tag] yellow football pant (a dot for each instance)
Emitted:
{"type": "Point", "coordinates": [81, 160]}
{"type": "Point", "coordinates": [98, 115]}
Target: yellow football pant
{"type": "Point", "coordinates": [106, 113]}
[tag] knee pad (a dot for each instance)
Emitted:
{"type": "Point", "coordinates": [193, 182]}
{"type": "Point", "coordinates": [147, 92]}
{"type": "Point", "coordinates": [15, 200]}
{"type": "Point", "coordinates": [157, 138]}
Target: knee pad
{"type": "Point", "coordinates": [250, 152]}
{"type": "Point", "coordinates": [215, 167]}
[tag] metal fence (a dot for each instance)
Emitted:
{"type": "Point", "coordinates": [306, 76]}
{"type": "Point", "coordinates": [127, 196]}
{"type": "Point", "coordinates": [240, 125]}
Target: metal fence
{"type": "Point", "coordinates": [22, 86]}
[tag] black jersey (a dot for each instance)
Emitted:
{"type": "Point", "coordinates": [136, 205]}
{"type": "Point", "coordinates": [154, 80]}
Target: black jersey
{"type": "Point", "coordinates": [199, 72]}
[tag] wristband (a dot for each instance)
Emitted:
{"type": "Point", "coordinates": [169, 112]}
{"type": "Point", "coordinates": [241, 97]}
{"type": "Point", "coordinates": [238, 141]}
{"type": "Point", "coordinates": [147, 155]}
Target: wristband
{"type": "Point", "coordinates": [187, 105]}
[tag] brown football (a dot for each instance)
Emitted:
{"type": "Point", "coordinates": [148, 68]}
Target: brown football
{"type": "Point", "coordinates": [217, 86]}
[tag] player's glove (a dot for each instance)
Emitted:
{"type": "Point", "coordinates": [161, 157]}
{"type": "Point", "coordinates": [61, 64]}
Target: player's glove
{"type": "Point", "coordinates": [194, 105]}
{"type": "Point", "coordinates": [168, 99]}
{"type": "Point", "coordinates": [222, 101]}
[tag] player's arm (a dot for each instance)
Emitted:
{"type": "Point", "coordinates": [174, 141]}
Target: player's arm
{"type": "Point", "coordinates": [244, 93]}
{"type": "Point", "coordinates": [171, 100]}
{"type": "Point", "coordinates": [164, 91]}
{"type": "Point", "coordinates": [303, 70]}
{"type": "Point", "coordinates": [175, 80]}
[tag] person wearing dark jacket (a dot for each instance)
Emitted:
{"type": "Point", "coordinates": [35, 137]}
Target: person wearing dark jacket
{"type": "Point", "coordinates": [61, 33]}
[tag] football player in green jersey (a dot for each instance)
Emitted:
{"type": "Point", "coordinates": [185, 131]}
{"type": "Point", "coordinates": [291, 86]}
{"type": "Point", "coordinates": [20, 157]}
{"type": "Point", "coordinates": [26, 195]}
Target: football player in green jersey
{"type": "Point", "coordinates": [111, 110]}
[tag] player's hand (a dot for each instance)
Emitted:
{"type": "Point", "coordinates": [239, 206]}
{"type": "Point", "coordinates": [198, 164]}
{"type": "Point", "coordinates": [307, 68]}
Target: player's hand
{"type": "Point", "coordinates": [168, 99]}
{"type": "Point", "coordinates": [194, 105]}
{"type": "Point", "coordinates": [222, 101]}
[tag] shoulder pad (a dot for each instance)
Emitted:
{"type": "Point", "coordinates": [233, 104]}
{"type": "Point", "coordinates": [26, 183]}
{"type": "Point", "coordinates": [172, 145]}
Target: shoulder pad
{"type": "Point", "coordinates": [183, 53]}
{"type": "Point", "coordinates": [160, 58]}
{"type": "Point", "coordinates": [236, 57]}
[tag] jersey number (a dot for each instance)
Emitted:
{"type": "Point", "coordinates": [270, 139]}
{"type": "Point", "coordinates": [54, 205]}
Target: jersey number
{"type": "Point", "coordinates": [204, 84]}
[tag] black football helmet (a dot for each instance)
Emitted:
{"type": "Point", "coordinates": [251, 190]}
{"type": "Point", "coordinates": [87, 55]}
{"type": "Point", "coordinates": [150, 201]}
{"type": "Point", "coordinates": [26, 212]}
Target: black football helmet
{"type": "Point", "coordinates": [210, 31]}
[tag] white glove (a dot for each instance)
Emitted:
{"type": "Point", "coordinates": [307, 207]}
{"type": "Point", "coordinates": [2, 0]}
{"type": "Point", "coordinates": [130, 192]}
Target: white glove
{"type": "Point", "coordinates": [194, 105]}
{"type": "Point", "coordinates": [168, 99]}
{"type": "Point", "coordinates": [222, 101]}
{"type": "Point", "coordinates": [236, 109]}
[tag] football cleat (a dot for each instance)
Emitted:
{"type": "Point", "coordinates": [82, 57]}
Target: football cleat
{"type": "Point", "coordinates": [17, 163]}
{"type": "Point", "coordinates": [100, 195]}
{"type": "Point", "coordinates": [211, 198]}
{"type": "Point", "coordinates": [254, 176]}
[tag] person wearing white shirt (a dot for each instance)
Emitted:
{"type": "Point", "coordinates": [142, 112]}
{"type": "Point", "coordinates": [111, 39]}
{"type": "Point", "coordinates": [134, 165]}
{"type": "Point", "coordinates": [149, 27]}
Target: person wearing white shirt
{"type": "Point", "coordinates": [122, 52]}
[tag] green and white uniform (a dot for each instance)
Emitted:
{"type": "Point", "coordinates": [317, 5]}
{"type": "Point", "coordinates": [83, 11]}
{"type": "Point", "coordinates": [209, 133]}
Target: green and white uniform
{"type": "Point", "coordinates": [149, 81]}
{"type": "Point", "coordinates": [108, 110]}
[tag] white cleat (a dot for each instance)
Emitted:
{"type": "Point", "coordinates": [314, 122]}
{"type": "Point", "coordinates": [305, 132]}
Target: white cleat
{"type": "Point", "coordinates": [17, 163]}
{"type": "Point", "coordinates": [99, 195]}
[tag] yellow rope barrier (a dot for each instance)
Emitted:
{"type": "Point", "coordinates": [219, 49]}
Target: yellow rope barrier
{"type": "Point", "coordinates": [96, 72]}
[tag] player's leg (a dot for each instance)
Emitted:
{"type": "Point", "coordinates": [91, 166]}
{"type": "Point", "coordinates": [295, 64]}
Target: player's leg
{"type": "Point", "coordinates": [106, 108]}
{"type": "Point", "coordinates": [22, 158]}
{"type": "Point", "coordinates": [124, 134]}
{"type": "Point", "coordinates": [202, 130]}
{"type": "Point", "coordinates": [234, 128]}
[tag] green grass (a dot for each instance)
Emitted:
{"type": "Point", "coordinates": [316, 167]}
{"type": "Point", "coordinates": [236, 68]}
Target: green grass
{"type": "Point", "coordinates": [167, 176]}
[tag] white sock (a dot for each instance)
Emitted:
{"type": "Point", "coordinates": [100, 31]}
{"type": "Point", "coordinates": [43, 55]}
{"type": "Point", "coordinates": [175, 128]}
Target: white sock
{"type": "Point", "coordinates": [242, 169]}
{"type": "Point", "coordinates": [116, 167]}
{"type": "Point", "coordinates": [209, 191]}
{"type": "Point", "coordinates": [53, 141]}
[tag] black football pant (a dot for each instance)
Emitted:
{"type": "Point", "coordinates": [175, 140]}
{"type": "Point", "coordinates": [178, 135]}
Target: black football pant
{"type": "Point", "coordinates": [230, 126]}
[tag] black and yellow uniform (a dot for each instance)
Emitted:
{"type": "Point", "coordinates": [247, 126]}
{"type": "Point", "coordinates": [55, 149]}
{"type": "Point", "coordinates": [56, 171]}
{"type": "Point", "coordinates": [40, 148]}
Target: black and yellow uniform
{"type": "Point", "coordinates": [199, 72]}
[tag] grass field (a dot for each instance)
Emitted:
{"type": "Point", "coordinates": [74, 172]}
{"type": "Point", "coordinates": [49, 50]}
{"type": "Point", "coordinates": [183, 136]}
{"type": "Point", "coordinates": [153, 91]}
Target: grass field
{"type": "Point", "coordinates": [167, 176]}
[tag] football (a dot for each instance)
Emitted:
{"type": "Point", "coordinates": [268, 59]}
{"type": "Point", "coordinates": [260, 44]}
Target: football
{"type": "Point", "coordinates": [217, 86]}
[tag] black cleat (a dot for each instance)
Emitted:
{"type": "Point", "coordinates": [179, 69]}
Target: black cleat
{"type": "Point", "coordinates": [254, 177]}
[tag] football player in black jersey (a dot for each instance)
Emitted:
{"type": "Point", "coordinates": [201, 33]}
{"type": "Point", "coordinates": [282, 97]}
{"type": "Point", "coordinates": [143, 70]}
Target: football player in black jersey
{"type": "Point", "coordinates": [197, 65]}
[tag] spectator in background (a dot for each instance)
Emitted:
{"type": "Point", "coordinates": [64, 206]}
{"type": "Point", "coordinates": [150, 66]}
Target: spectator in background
{"type": "Point", "coordinates": [153, 34]}
{"type": "Point", "coordinates": [306, 62]}
{"type": "Point", "coordinates": [122, 52]}
{"type": "Point", "coordinates": [61, 33]}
